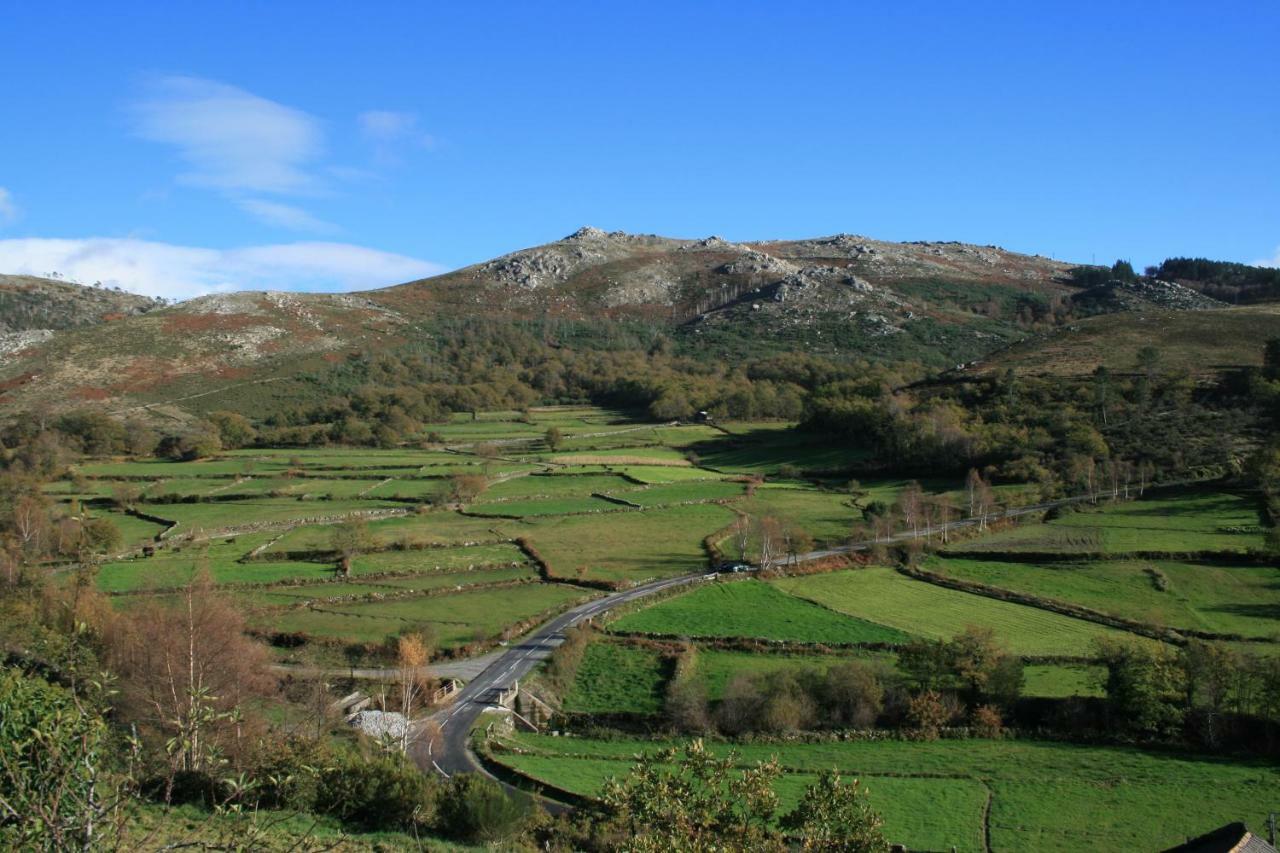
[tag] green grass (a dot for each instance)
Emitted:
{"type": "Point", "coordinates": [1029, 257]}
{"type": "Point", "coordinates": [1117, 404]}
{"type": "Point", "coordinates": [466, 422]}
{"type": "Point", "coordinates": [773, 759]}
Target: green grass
{"type": "Point", "coordinates": [623, 456]}
{"type": "Point", "coordinates": [461, 578]}
{"type": "Point", "coordinates": [1242, 600]}
{"type": "Point", "coordinates": [666, 473]}
{"type": "Point", "coordinates": [555, 485]}
{"type": "Point", "coordinates": [545, 506]}
{"type": "Point", "coordinates": [282, 595]}
{"type": "Point", "coordinates": [765, 450]}
{"type": "Point", "coordinates": [230, 514]}
{"type": "Point", "coordinates": [752, 609]}
{"type": "Point", "coordinates": [928, 814]}
{"type": "Point", "coordinates": [133, 531]}
{"type": "Point", "coordinates": [457, 619]}
{"type": "Point", "coordinates": [916, 607]}
{"type": "Point", "coordinates": [439, 559]}
{"type": "Point", "coordinates": [1188, 522]}
{"type": "Point", "coordinates": [172, 567]}
{"type": "Point", "coordinates": [1061, 680]}
{"type": "Point", "coordinates": [615, 678]}
{"type": "Point", "coordinates": [1045, 796]}
{"type": "Point", "coordinates": [717, 667]}
{"type": "Point", "coordinates": [626, 546]}
{"type": "Point", "coordinates": [431, 528]}
{"type": "Point", "coordinates": [679, 493]}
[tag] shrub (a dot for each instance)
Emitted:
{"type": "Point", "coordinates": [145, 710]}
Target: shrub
{"type": "Point", "coordinates": [476, 810]}
{"type": "Point", "coordinates": [927, 713]}
{"type": "Point", "coordinates": [986, 721]}
{"type": "Point", "coordinates": [377, 793]}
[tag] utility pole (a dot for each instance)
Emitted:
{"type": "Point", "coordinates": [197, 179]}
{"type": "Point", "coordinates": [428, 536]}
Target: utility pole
{"type": "Point", "coordinates": [1271, 829]}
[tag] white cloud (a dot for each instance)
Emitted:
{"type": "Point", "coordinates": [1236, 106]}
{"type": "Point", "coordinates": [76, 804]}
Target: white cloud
{"type": "Point", "coordinates": [389, 131]}
{"type": "Point", "coordinates": [180, 272]}
{"type": "Point", "coordinates": [9, 212]}
{"type": "Point", "coordinates": [1273, 261]}
{"type": "Point", "coordinates": [286, 216]}
{"type": "Point", "coordinates": [233, 140]}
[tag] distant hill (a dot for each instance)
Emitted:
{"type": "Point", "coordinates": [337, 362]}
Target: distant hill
{"type": "Point", "coordinates": [1238, 284]}
{"type": "Point", "coordinates": [1200, 342]}
{"type": "Point", "coordinates": [842, 298]}
{"type": "Point", "coordinates": [29, 303]}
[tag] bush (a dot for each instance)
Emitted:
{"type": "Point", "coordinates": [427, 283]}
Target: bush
{"type": "Point", "coordinates": [377, 793]}
{"type": "Point", "coordinates": [476, 810]}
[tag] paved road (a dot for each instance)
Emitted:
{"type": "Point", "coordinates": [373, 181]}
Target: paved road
{"type": "Point", "coordinates": [444, 747]}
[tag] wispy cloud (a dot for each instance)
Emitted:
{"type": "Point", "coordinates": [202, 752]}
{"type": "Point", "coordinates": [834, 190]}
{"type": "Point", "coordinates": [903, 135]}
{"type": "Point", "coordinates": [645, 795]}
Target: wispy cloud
{"type": "Point", "coordinates": [390, 132]}
{"type": "Point", "coordinates": [9, 211]}
{"type": "Point", "coordinates": [164, 269]}
{"type": "Point", "coordinates": [1273, 261]}
{"type": "Point", "coordinates": [229, 138]}
{"type": "Point", "coordinates": [286, 216]}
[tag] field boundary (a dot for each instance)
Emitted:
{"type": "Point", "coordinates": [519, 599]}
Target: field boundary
{"type": "Point", "coordinates": [1175, 636]}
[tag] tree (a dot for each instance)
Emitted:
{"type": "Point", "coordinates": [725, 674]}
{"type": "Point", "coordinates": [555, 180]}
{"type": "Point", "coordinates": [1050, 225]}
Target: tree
{"type": "Point", "coordinates": [836, 816]}
{"type": "Point", "coordinates": [553, 438]}
{"type": "Point", "coordinates": [1123, 270]}
{"type": "Point", "coordinates": [692, 800]}
{"type": "Point", "coordinates": [412, 653]}
{"type": "Point", "coordinates": [186, 673]}
{"type": "Point", "coordinates": [852, 695]}
{"type": "Point", "coordinates": [1145, 687]}
{"type": "Point", "coordinates": [467, 487]}
{"type": "Point", "coordinates": [927, 713]}
{"type": "Point", "coordinates": [742, 535]}
{"type": "Point", "coordinates": [54, 794]}
{"type": "Point", "coordinates": [769, 532]}
{"type": "Point", "coordinates": [234, 430]}
{"type": "Point", "coordinates": [349, 539]}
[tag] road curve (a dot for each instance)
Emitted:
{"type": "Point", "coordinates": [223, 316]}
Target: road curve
{"type": "Point", "coordinates": [443, 746]}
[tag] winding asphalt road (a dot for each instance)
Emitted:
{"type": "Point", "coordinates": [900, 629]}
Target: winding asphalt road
{"type": "Point", "coordinates": [443, 746]}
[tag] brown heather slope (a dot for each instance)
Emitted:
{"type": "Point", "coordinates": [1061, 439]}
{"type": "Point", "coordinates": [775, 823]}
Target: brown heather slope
{"type": "Point", "coordinates": [1200, 342]}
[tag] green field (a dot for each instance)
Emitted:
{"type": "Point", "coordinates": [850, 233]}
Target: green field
{"type": "Point", "coordinates": [888, 598]}
{"type": "Point", "coordinates": [555, 485]}
{"type": "Point", "coordinates": [457, 619]}
{"type": "Point", "coordinates": [629, 545]}
{"type": "Point", "coordinates": [463, 557]}
{"type": "Point", "coordinates": [234, 514]}
{"type": "Point", "coordinates": [1241, 600]}
{"type": "Point", "coordinates": [752, 609]}
{"type": "Point", "coordinates": [615, 678]}
{"type": "Point", "coordinates": [431, 528]}
{"type": "Point", "coordinates": [655, 474]}
{"type": "Point", "coordinates": [1044, 796]}
{"type": "Point", "coordinates": [681, 493]}
{"type": "Point", "coordinates": [1174, 524]}
{"type": "Point", "coordinates": [545, 506]}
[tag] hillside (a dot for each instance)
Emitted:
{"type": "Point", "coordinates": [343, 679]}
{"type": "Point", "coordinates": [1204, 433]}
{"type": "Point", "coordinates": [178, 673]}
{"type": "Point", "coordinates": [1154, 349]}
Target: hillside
{"type": "Point", "coordinates": [1200, 342]}
{"type": "Point", "coordinates": [842, 298]}
{"type": "Point", "coordinates": [31, 308]}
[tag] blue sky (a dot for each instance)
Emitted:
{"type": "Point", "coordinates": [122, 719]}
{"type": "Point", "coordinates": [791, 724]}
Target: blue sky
{"type": "Point", "coordinates": [179, 148]}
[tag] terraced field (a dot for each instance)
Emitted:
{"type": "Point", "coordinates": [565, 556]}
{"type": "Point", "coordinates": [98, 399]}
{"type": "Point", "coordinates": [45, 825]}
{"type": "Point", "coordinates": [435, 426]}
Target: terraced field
{"type": "Point", "coordinates": [1177, 524]}
{"type": "Point", "coordinates": [752, 609]}
{"type": "Point", "coordinates": [887, 598]}
{"type": "Point", "coordinates": [1043, 796]}
{"type": "Point", "coordinates": [1227, 599]}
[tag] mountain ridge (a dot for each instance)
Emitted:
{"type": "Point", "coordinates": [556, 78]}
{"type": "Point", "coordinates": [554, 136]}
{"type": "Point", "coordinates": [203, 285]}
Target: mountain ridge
{"type": "Point", "coordinates": [839, 297]}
